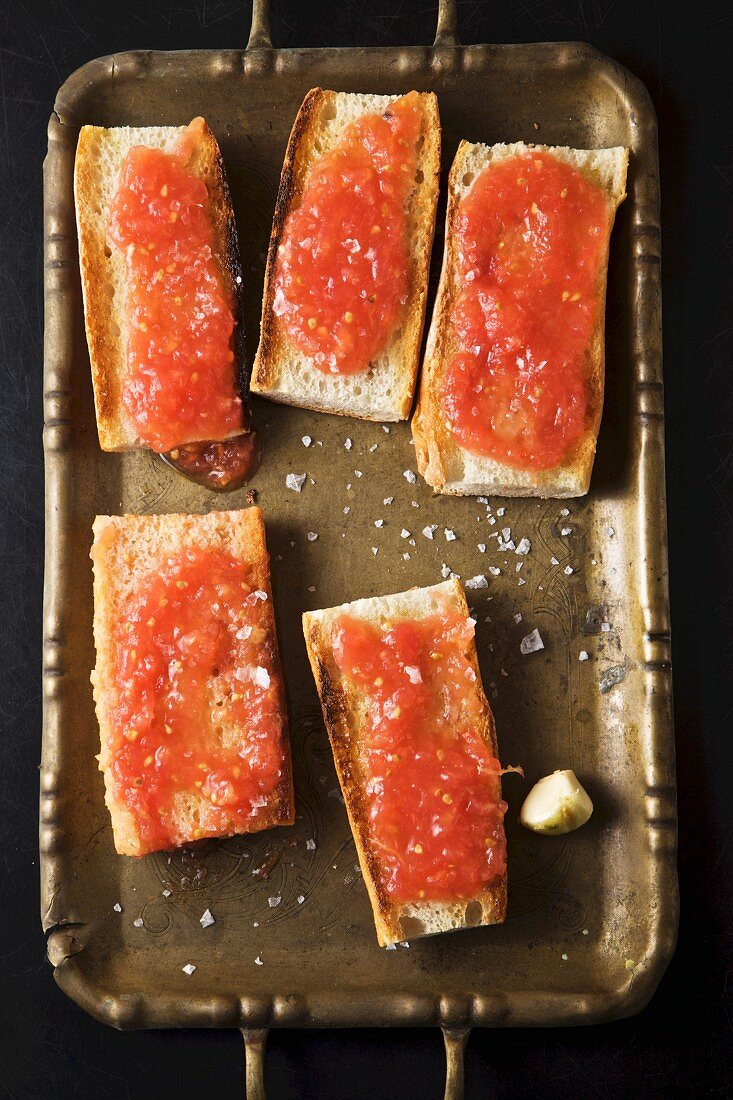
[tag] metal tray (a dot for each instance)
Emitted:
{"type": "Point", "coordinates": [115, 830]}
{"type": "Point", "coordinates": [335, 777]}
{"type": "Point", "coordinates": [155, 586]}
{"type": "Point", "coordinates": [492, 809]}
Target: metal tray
{"type": "Point", "coordinates": [592, 917]}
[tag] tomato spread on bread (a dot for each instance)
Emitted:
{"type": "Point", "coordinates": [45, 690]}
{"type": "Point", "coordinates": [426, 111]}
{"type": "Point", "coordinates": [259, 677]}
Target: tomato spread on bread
{"type": "Point", "coordinates": [342, 272]}
{"type": "Point", "coordinates": [435, 815]}
{"type": "Point", "coordinates": [197, 703]}
{"type": "Point", "coordinates": [531, 237]}
{"type": "Point", "coordinates": [181, 380]}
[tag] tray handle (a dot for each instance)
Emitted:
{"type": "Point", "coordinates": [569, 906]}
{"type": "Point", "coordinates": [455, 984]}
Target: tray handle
{"type": "Point", "coordinates": [446, 33]}
{"type": "Point", "coordinates": [254, 1062]}
{"type": "Point", "coordinates": [455, 1039]}
{"type": "Point", "coordinates": [259, 31]}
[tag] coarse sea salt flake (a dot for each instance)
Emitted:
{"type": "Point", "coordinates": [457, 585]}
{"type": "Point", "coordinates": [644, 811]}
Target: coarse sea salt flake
{"type": "Point", "coordinates": [375, 550]}
{"type": "Point", "coordinates": [500, 511]}
{"type": "Point", "coordinates": [300, 899]}
{"type": "Point", "coordinates": [206, 919]}
{"type": "Point", "coordinates": [413, 674]}
{"type": "Point", "coordinates": [348, 444]}
{"type": "Point", "coordinates": [568, 570]}
{"type": "Point", "coordinates": [379, 523]}
{"type": "Point", "coordinates": [388, 500]}
{"type": "Point", "coordinates": [261, 677]}
{"type": "Point", "coordinates": [583, 655]}
{"type": "Point", "coordinates": [274, 902]}
{"type": "Point", "coordinates": [117, 907]}
{"type": "Point", "coordinates": [295, 482]}
{"type": "Point", "coordinates": [188, 969]}
{"type": "Point", "coordinates": [518, 617]}
{"type": "Point", "coordinates": [482, 547]}
{"type": "Point", "coordinates": [312, 536]}
{"type": "Point", "coordinates": [554, 561]}
{"type": "Point", "coordinates": [243, 633]}
{"type": "Point", "coordinates": [430, 530]}
{"type": "Point", "coordinates": [531, 643]}
{"type": "Point", "coordinates": [494, 570]}
{"type": "Point", "coordinates": [409, 475]}
{"type": "Point", "coordinates": [566, 531]}
{"type": "Point", "coordinates": [524, 546]}
{"type": "Point", "coordinates": [479, 581]}
{"type": "Point", "coordinates": [306, 441]}
{"type": "Point", "coordinates": [310, 845]}
{"type": "Point", "coordinates": [450, 535]}
{"type": "Point", "coordinates": [258, 961]}
{"type": "Point", "coordinates": [404, 533]}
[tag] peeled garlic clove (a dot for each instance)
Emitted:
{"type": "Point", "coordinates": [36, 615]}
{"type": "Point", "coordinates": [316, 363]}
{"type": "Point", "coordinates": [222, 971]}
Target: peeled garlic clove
{"type": "Point", "coordinates": [556, 804]}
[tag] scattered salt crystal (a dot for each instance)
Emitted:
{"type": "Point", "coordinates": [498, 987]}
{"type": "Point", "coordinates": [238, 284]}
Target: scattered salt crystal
{"type": "Point", "coordinates": [117, 907]}
{"type": "Point", "coordinates": [295, 482]}
{"type": "Point", "coordinates": [385, 428]}
{"type": "Point", "coordinates": [494, 570]}
{"type": "Point", "coordinates": [261, 677]}
{"type": "Point", "coordinates": [430, 530]}
{"type": "Point", "coordinates": [564, 957]}
{"type": "Point", "coordinates": [500, 511]}
{"type": "Point", "coordinates": [531, 643]}
{"type": "Point", "coordinates": [300, 899]}
{"type": "Point", "coordinates": [375, 550]}
{"type": "Point", "coordinates": [388, 500]}
{"type": "Point", "coordinates": [166, 893]}
{"type": "Point", "coordinates": [188, 969]}
{"type": "Point", "coordinates": [206, 919]}
{"type": "Point", "coordinates": [568, 570]}
{"type": "Point", "coordinates": [506, 533]}
{"type": "Point", "coordinates": [310, 845]}
{"type": "Point", "coordinates": [409, 475]}
{"type": "Point", "coordinates": [518, 617]}
{"type": "Point", "coordinates": [450, 535]}
{"type": "Point", "coordinates": [445, 571]}
{"type": "Point", "coordinates": [311, 588]}
{"type": "Point", "coordinates": [379, 523]}
{"type": "Point", "coordinates": [518, 566]}
{"type": "Point", "coordinates": [404, 533]}
{"type": "Point", "coordinates": [274, 902]}
{"type": "Point", "coordinates": [412, 542]}
{"type": "Point", "coordinates": [306, 441]}
{"type": "Point", "coordinates": [566, 531]}
{"type": "Point", "coordinates": [611, 532]}
{"type": "Point", "coordinates": [521, 581]}
{"type": "Point", "coordinates": [564, 511]}
{"type": "Point", "coordinates": [373, 446]}
{"type": "Point", "coordinates": [348, 444]}
{"type": "Point", "coordinates": [605, 627]}
{"type": "Point", "coordinates": [482, 547]}
{"type": "Point", "coordinates": [406, 556]}
{"type": "Point", "coordinates": [482, 500]}
{"type": "Point", "coordinates": [358, 473]}
{"type": "Point", "coordinates": [258, 961]}
{"type": "Point", "coordinates": [554, 560]}
{"type": "Point", "coordinates": [253, 597]}
{"type": "Point", "coordinates": [583, 655]}
{"type": "Point", "coordinates": [492, 520]}
{"type": "Point", "coordinates": [312, 536]}
{"type": "Point", "coordinates": [138, 922]}
{"type": "Point", "coordinates": [346, 510]}
{"type": "Point", "coordinates": [243, 633]}
{"type": "Point", "coordinates": [524, 546]}
{"type": "Point", "coordinates": [479, 581]}
{"type": "Point", "coordinates": [391, 947]}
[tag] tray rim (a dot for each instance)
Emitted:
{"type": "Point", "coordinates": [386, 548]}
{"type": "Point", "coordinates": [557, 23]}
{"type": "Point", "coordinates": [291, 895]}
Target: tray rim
{"type": "Point", "coordinates": [528, 1007]}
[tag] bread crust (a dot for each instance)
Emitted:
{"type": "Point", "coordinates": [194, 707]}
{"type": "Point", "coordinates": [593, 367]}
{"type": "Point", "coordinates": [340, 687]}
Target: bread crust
{"type": "Point", "coordinates": [394, 922]}
{"type": "Point", "coordinates": [99, 157]}
{"type": "Point", "coordinates": [300, 156]}
{"type": "Point", "coordinates": [446, 465]}
{"type": "Point", "coordinates": [124, 551]}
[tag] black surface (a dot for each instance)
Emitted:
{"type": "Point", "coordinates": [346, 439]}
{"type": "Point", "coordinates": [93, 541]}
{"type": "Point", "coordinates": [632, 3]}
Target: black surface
{"type": "Point", "coordinates": [681, 1045]}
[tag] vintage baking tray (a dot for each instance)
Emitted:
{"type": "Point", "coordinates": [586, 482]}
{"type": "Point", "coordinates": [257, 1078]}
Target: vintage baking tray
{"type": "Point", "coordinates": [592, 916]}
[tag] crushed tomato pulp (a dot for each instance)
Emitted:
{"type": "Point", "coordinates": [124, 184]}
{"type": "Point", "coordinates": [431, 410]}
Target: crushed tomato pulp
{"type": "Point", "coordinates": [432, 783]}
{"type": "Point", "coordinates": [342, 273]}
{"type": "Point", "coordinates": [181, 381]}
{"type": "Point", "coordinates": [198, 706]}
{"type": "Point", "coordinates": [530, 238]}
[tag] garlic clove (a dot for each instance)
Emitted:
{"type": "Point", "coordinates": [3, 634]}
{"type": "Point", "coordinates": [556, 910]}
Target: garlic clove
{"type": "Point", "coordinates": [556, 804]}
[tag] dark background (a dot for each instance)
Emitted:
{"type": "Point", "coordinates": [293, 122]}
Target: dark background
{"type": "Point", "coordinates": [681, 1045]}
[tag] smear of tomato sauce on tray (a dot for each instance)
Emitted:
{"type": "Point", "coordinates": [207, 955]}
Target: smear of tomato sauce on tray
{"type": "Point", "coordinates": [181, 381]}
{"type": "Point", "coordinates": [435, 811]}
{"type": "Point", "coordinates": [530, 238]}
{"type": "Point", "coordinates": [198, 708]}
{"type": "Point", "coordinates": [342, 274]}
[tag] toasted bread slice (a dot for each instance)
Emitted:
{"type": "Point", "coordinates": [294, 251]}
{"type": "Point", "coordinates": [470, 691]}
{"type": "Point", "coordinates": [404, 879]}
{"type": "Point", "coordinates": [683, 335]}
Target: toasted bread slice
{"type": "Point", "coordinates": [446, 465]}
{"type": "Point", "coordinates": [100, 155]}
{"type": "Point", "coordinates": [344, 712]}
{"type": "Point", "coordinates": [281, 372]}
{"type": "Point", "coordinates": [127, 552]}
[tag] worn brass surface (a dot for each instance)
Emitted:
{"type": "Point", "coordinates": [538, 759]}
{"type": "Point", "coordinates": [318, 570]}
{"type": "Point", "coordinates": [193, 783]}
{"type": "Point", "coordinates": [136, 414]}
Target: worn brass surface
{"type": "Point", "coordinates": [592, 916]}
